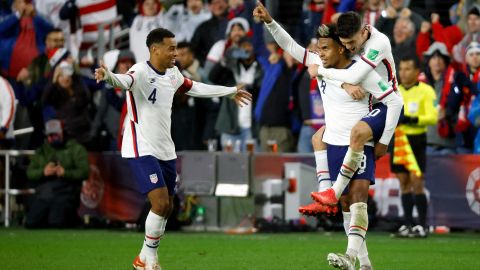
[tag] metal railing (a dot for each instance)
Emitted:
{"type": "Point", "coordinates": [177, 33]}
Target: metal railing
{"type": "Point", "coordinates": [8, 191]}
{"type": "Point", "coordinates": [113, 36]}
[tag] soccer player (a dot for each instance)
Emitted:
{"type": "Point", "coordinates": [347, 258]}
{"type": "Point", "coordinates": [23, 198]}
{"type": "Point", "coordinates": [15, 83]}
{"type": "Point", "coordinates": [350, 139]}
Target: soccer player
{"type": "Point", "coordinates": [375, 53]}
{"type": "Point", "coordinates": [147, 142]}
{"type": "Point", "coordinates": [341, 114]}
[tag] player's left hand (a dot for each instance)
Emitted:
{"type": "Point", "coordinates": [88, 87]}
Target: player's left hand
{"type": "Point", "coordinates": [242, 97]}
{"type": "Point", "coordinates": [313, 71]}
{"type": "Point", "coordinates": [380, 150]}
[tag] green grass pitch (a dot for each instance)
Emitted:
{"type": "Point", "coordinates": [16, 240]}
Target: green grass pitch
{"type": "Point", "coordinates": [107, 249]}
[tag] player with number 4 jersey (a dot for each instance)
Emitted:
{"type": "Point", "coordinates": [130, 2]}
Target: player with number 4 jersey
{"type": "Point", "coordinates": [147, 143]}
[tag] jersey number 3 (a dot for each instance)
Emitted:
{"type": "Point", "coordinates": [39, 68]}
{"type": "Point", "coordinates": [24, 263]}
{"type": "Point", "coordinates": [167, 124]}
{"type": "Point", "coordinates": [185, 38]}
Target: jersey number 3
{"type": "Point", "coordinates": [153, 96]}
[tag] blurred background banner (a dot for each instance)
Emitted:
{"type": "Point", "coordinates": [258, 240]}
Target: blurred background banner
{"type": "Point", "coordinates": [452, 183]}
{"type": "Point", "coordinates": [110, 191]}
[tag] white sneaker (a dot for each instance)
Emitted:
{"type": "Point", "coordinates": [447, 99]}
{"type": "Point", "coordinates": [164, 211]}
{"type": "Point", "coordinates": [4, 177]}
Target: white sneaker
{"type": "Point", "coordinates": [403, 232]}
{"type": "Point", "coordinates": [153, 266]}
{"type": "Point", "coordinates": [418, 232]}
{"type": "Point", "coordinates": [341, 261]}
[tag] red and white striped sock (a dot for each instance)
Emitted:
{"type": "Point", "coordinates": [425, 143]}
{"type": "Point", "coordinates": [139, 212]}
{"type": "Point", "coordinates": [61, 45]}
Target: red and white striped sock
{"type": "Point", "coordinates": [323, 175]}
{"type": "Point", "coordinates": [154, 230]}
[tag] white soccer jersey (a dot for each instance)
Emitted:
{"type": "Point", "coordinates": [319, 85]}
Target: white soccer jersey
{"type": "Point", "coordinates": [7, 107]}
{"type": "Point", "coordinates": [149, 102]}
{"type": "Point", "coordinates": [341, 111]}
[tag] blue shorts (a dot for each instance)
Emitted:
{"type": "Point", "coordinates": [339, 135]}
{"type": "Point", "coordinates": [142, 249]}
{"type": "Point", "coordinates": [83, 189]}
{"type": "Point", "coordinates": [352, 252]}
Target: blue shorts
{"type": "Point", "coordinates": [376, 120]}
{"type": "Point", "coordinates": [151, 173]}
{"type": "Point", "coordinates": [366, 170]}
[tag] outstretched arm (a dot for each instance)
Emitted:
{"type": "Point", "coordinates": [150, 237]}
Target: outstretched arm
{"type": "Point", "coordinates": [198, 89]}
{"type": "Point", "coordinates": [123, 81]}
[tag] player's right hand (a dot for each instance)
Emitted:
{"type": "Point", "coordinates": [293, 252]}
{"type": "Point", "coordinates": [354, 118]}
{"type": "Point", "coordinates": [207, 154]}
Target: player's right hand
{"type": "Point", "coordinates": [261, 13]}
{"type": "Point", "coordinates": [101, 72]}
{"type": "Point", "coordinates": [355, 91]}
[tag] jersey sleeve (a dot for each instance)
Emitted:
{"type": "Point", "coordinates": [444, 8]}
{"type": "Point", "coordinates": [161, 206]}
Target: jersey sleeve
{"type": "Point", "coordinates": [384, 93]}
{"type": "Point", "coordinates": [216, 52]}
{"type": "Point", "coordinates": [288, 44]}
{"type": "Point", "coordinates": [7, 104]}
{"type": "Point", "coordinates": [125, 81]}
{"type": "Point", "coordinates": [197, 89]}
{"type": "Point", "coordinates": [374, 53]}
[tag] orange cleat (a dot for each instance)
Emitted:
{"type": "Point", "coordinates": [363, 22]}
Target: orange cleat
{"type": "Point", "coordinates": [315, 209]}
{"type": "Point", "coordinates": [138, 264]}
{"type": "Point", "coordinates": [326, 197]}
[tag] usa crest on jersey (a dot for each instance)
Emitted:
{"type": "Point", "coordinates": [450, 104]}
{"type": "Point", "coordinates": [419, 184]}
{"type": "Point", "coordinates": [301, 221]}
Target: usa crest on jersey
{"type": "Point", "coordinates": [153, 178]}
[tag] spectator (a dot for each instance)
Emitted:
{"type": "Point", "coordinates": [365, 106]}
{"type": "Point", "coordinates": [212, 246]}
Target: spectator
{"type": "Point", "coordinates": [151, 16]}
{"type": "Point", "coordinates": [241, 8]}
{"type": "Point", "coordinates": [420, 112]}
{"type": "Point", "coordinates": [403, 40]}
{"type": "Point", "coordinates": [310, 105]}
{"type": "Point", "coordinates": [237, 28]}
{"type": "Point", "coordinates": [107, 122]}
{"type": "Point", "coordinates": [67, 98]}
{"type": "Point", "coordinates": [439, 74]}
{"type": "Point", "coordinates": [33, 80]}
{"type": "Point", "coordinates": [272, 108]}
{"type": "Point", "coordinates": [435, 31]}
{"type": "Point", "coordinates": [22, 38]}
{"type": "Point", "coordinates": [236, 125]}
{"type": "Point", "coordinates": [372, 11]}
{"type": "Point", "coordinates": [210, 31]}
{"type": "Point", "coordinates": [7, 114]}
{"type": "Point", "coordinates": [312, 14]}
{"type": "Point", "coordinates": [183, 20]}
{"type": "Point", "coordinates": [472, 34]}
{"type": "Point", "coordinates": [394, 10]}
{"type": "Point", "coordinates": [57, 170]}
{"type": "Point", "coordinates": [186, 130]}
{"type": "Point", "coordinates": [90, 13]}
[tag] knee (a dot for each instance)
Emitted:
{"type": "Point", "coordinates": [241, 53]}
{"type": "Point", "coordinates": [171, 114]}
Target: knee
{"type": "Point", "coordinates": [161, 207]}
{"type": "Point", "coordinates": [359, 197]}
{"type": "Point", "coordinates": [418, 186]}
{"type": "Point", "coordinates": [359, 134]}
{"type": "Point", "coordinates": [317, 142]}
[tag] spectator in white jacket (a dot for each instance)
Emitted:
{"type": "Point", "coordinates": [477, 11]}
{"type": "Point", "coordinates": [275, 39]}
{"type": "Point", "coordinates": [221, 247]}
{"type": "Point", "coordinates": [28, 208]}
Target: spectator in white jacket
{"type": "Point", "coordinates": [183, 19]}
{"type": "Point", "coordinates": [151, 16]}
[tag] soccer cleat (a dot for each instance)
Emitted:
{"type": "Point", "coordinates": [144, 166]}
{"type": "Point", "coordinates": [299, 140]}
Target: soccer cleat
{"type": "Point", "coordinates": [403, 232]}
{"type": "Point", "coordinates": [325, 197]}
{"type": "Point", "coordinates": [153, 266]}
{"type": "Point", "coordinates": [341, 261]}
{"type": "Point", "coordinates": [138, 264]}
{"type": "Point", "coordinates": [315, 209]}
{"type": "Point", "coordinates": [366, 267]}
{"type": "Point", "coordinates": [418, 232]}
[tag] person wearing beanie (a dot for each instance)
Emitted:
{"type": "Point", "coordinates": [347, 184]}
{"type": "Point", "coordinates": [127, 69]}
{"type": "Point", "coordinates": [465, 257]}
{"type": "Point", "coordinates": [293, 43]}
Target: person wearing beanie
{"type": "Point", "coordinates": [56, 170]}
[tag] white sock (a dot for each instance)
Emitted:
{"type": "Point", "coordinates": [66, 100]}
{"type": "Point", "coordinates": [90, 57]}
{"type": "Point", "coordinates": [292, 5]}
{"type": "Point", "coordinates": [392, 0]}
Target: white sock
{"type": "Point", "coordinates": [350, 164]}
{"type": "Point", "coordinates": [323, 175]}
{"type": "Point", "coordinates": [358, 228]}
{"type": "Point", "coordinates": [363, 252]}
{"type": "Point", "coordinates": [154, 230]}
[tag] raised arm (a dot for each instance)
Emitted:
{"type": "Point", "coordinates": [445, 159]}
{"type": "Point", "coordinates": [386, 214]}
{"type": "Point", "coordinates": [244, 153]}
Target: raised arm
{"type": "Point", "coordinates": [384, 93]}
{"type": "Point", "coordinates": [284, 40]}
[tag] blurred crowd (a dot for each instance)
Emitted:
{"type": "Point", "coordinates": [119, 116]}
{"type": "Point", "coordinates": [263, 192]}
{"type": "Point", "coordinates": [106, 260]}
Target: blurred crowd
{"type": "Point", "coordinates": [49, 50]}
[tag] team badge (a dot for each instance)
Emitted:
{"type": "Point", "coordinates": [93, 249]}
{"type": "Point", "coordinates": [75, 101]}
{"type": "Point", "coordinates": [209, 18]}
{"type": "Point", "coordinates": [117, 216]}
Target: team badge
{"type": "Point", "coordinates": [383, 85]}
{"type": "Point", "coordinates": [172, 79]}
{"type": "Point", "coordinates": [153, 178]}
{"type": "Point", "coordinates": [372, 54]}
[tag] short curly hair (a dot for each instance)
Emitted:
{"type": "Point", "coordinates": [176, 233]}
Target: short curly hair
{"type": "Point", "coordinates": [348, 24]}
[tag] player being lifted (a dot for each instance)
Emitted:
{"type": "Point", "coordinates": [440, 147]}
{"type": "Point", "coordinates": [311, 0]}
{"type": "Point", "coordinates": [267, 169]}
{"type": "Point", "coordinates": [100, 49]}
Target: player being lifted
{"type": "Point", "coordinates": [147, 142]}
{"type": "Point", "coordinates": [375, 52]}
{"type": "Point", "coordinates": [341, 115]}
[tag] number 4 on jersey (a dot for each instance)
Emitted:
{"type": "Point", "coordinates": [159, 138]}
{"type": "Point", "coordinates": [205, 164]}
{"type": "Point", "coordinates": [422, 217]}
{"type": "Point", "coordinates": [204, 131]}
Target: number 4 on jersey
{"type": "Point", "coordinates": [153, 96]}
